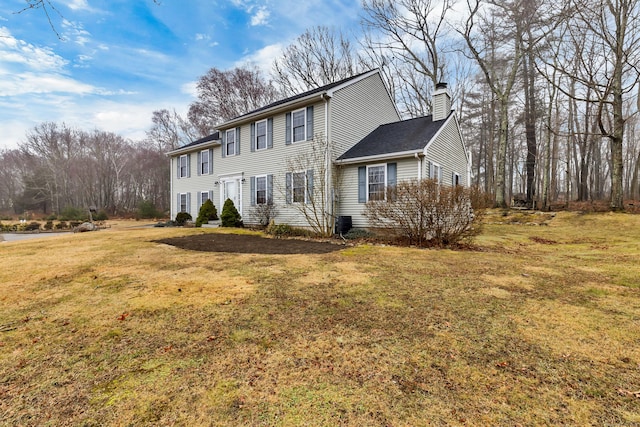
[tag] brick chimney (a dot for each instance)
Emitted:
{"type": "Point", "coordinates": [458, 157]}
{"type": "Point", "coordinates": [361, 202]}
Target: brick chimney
{"type": "Point", "coordinates": [441, 104]}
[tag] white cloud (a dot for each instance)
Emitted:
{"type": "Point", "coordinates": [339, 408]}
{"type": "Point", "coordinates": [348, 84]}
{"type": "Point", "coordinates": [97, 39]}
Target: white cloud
{"type": "Point", "coordinates": [78, 5]}
{"type": "Point", "coordinates": [17, 51]}
{"type": "Point", "coordinates": [190, 88]}
{"type": "Point", "coordinates": [262, 58]}
{"type": "Point", "coordinates": [28, 83]}
{"type": "Point", "coordinates": [200, 37]}
{"type": "Point", "coordinates": [75, 31]}
{"type": "Point", "coordinates": [261, 17]}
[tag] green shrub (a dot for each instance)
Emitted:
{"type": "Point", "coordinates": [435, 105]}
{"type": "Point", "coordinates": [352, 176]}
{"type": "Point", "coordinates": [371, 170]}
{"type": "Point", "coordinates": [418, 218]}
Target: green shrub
{"type": "Point", "coordinates": [101, 216]}
{"type": "Point", "coordinates": [147, 210]}
{"type": "Point", "coordinates": [62, 225]}
{"type": "Point", "coordinates": [357, 233]}
{"type": "Point", "coordinates": [182, 218]}
{"type": "Point", "coordinates": [208, 212]}
{"type": "Point", "coordinates": [71, 213]}
{"type": "Point", "coordinates": [52, 217]}
{"type": "Point", "coordinates": [230, 216]}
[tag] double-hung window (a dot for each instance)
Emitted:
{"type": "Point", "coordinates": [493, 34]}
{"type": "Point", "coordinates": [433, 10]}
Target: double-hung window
{"type": "Point", "coordinates": [230, 143]}
{"type": "Point", "coordinates": [436, 172]}
{"type": "Point", "coordinates": [299, 187]}
{"type": "Point", "coordinates": [261, 190]}
{"type": "Point", "coordinates": [299, 121]}
{"type": "Point", "coordinates": [204, 162]}
{"type": "Point", "coordinates": [183, 166]}
{"type": "Point", "coordinates": [204, 196]}
{"type": "Point", "coordinates": [261, 135]}
{"type": "Point", "coordinates": [184, 205]}
{"type": "Point", "coordinates": [376, 182]}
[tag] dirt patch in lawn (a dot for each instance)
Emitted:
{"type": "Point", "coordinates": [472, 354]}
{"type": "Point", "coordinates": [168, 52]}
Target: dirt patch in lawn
{"type": "Point", "coordinates": [248, 244]}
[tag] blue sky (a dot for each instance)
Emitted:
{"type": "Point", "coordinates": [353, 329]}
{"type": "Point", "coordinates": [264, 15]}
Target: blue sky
{"type": "Point", "coordinates": [119, 60]}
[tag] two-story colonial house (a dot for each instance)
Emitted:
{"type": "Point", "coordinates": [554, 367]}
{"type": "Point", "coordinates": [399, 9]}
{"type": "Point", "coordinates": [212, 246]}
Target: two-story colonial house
{"type": "Point", "coordinates": [325, 151]}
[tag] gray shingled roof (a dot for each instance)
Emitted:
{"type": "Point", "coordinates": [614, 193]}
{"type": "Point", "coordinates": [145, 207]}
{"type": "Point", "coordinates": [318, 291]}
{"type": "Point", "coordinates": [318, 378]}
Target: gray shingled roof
{"type": "Point", "coordinates": [301, 95]}
{"type": "Point", "coordinates": [397, 137]}
{"type": "Point", "coordinates": [213, 137]}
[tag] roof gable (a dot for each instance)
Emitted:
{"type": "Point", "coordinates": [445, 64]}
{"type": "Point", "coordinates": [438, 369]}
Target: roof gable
{"type": "Point", "coordinates": [410, 135]}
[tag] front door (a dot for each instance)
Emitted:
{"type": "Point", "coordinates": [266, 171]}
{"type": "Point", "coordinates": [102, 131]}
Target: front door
{"type": "Point", "coordinates": [232, 191]}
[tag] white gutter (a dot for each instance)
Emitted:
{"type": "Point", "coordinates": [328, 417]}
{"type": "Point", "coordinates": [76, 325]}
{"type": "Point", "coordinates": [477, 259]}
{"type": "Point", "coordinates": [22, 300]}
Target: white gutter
{"type": "Point", "coordinates": [191, 148]}
{"type": "Point", "coordinates": [375, 157]}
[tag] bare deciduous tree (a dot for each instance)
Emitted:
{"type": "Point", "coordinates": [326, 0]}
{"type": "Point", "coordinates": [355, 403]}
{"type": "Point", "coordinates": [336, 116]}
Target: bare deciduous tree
{"type": "Point", "coordinates": [321, 55]}
{"type": "Point", "coordinates": [223, 95]}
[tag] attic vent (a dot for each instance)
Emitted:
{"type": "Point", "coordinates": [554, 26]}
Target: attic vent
{"type": "Point", "coordinates": [441, 85]}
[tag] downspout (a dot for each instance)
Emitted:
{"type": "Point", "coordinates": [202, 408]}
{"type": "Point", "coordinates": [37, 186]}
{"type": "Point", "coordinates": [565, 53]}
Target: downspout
{"type": "Point", "coordinates": [328, 190]}
{"type": "Point", "coordinates": [417, 156]}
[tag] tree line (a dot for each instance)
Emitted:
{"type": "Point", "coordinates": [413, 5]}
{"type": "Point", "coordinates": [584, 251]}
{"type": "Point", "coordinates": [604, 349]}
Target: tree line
{"type": "Point", "coordinates": [547, 93]}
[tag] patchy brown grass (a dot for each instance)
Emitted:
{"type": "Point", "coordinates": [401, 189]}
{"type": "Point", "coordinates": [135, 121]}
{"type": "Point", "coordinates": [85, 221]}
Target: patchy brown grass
{"type": "Point", "coordinates": [539, 326]}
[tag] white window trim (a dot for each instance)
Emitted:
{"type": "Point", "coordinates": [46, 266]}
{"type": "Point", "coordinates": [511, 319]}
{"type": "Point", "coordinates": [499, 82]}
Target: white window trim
{"type": "Point", "coordinates": [186, 201]}
{"type": "Point", "coordinates": [386, 178]}
{"type": "Point", "coordinates": [266, 134]}
{"type": "Point", "coordinates": [433, 175]}
{"type": "Point", "coordinates": [186, 165]}
{"type": "Point", "coordinates": [200, 201]}
{"type": "Point", "coordinates": [305, 186]}
{"type": "Point", "coordinates": [266, 189]}
{"type": "Point", "coordinates": [293, 140]}
{"type": "Point", "coordinates": [226, 143]}
{"type": "Point", "coordinates": [202, 153]}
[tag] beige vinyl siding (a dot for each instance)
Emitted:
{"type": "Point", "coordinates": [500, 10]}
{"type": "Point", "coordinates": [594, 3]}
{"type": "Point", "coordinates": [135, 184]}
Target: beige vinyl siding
{"type": "Point", "coordinates": [192, 184]}
{"type": "Point", "coordinates": [407, 169]}
{"type": "Point", "coordinates": [448, 151]}
{"type": "Point", "coordinates": [271, 161]}
{"type": "Point", "coordinates": [358, 109]}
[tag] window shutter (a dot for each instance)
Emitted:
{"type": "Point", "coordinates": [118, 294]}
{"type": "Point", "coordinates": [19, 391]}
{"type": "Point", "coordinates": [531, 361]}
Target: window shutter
{"type": "Point", "coordinates": [309, 185]}
{"type": "Point", "coordinates": [238, 141]}
{"type": "Point", "coordinates": [269, 188]}
{"type": "Point", "coordinates": [288, 179]}
{"type": "Point", "coordinates": [362, 184]}
{"type": "Point", "coordinates": [392, 172]}
{"type": "Point", "coordinates": [270, 133]}
{"type": "Point", "coordinates": [310, 123]}
{"type": "Point", "coordinates": [253, 136]}
{"type": "Point", "coordinates": [440, 174]}
{"type": "Point", "coordinates": [178, 205]}
{"type": "Point", "coordinates": [211, 195]}
{"type": "Point", "coordinates": [430, 170]}
{"type": "Point", "coordinates": [224, 143]}
{"type": "Point", "coordinates": [252, 187]}
{"type": "Point", "coordinates": [199, 162]}
{"type": "Point", "coordinates": [211, 163]}
{"type": "Point", "coordinates": [287, 139]}
{"type": "Point", "coordinates": [188, 202]}
{"type": "Point", "coordinates": [178, 166]}
{"type": "Point", "coordinates": [188, 165]}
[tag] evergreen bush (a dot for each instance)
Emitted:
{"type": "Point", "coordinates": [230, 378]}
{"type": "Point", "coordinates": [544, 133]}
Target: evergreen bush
{"type": "Point", "coordinates": [182, 218]}
{"type": "Point", "coordinates": [208, 212]}
{"type": "Point", "coordinates": [230, 216]}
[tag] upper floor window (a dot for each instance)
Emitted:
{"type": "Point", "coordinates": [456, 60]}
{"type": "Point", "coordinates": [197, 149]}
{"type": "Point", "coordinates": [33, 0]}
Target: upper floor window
{"type": "Point", "coordinates": [261, 135]}
{"type": "Point", "coordinates": [299, 125]}
{"type": "Point", "coordinates": [204, 162]}
{"type": "Point", "coordinates": [183, 166]}
{"type": "Point", "coordinates": [230, 143]}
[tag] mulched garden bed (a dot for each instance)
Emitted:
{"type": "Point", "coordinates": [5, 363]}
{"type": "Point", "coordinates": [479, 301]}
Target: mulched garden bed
{"type": "Point", "coordinates": [249, 244]}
